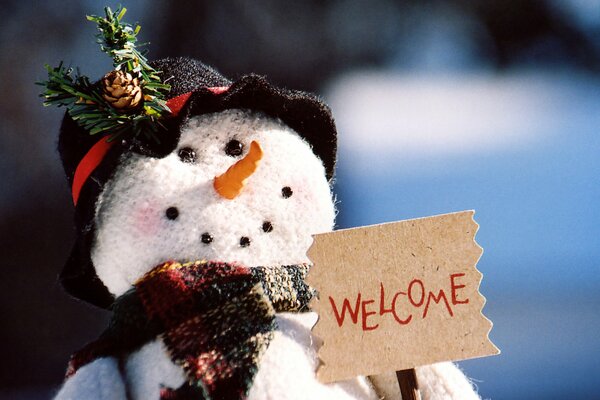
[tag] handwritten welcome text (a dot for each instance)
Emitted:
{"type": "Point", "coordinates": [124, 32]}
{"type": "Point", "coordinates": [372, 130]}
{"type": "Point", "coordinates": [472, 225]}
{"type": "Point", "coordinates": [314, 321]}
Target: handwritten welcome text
{"type": "Point", "coordinates": [416, 300]}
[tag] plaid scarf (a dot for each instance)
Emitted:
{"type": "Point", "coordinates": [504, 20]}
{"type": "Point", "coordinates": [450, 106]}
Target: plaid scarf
{"type": "Point", "coordinates": [216, 320]}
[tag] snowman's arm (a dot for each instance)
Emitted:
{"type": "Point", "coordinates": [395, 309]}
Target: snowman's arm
{"type": "Point", "coordinates": [445, 381]}
{"type": "Point", "coordinates": [98, 380]}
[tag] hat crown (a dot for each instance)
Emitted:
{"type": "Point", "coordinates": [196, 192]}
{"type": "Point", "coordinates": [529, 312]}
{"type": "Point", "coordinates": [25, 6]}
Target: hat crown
{"type": "Point", "coordinates": [185, 75]}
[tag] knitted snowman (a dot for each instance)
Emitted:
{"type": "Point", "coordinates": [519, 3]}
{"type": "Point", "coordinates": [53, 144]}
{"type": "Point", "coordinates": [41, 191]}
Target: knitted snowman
{"type": "Point", "coordinates": [197, 242]}
{"type": "Point", "coordinates": [195, 206]}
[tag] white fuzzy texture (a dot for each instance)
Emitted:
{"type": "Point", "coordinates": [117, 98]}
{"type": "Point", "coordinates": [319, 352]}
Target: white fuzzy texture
{"type": "Point", "coordinates": [133, 235]}
{"type": "Point", "coordinates": [99, 380]}
{"type": "Point", "coordinates": [287, 370]}
{"type": "Point", "coordinates": [150, 368]}
{"type": "Point", "coordinates": [444, 381]}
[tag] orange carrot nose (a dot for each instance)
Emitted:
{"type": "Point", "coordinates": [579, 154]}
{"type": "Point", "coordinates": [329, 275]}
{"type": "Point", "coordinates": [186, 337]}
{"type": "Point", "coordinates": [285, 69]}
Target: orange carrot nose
{"type": "Point", "coordinates": [231, 183]}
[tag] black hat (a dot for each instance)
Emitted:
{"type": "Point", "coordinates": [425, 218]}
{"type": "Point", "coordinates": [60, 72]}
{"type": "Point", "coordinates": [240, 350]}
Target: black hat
{"type": "Point", "coordinates": [195, 89]}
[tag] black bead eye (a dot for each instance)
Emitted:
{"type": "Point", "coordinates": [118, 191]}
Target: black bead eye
{"type": "Point", "coordinates": [244, 241]}
{"type": "Point", "coordinates": [206, 238]}
{"type": "Point", "coordinates": [187, 155]}
{"type": "Point", "coordinates": [287, 192]}
{"type": "Point", "coordinates": [234, 148]}
{"type": "Point", "coordinates": [267, 227]}
{"type": "Point", "coordinates": [172, 213]}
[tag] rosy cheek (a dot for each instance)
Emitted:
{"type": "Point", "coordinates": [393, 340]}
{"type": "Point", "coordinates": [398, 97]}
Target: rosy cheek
{"type": "Point", "coordinates": [147, 219]}
{"type": "Point", "coordinates": [303, 192]}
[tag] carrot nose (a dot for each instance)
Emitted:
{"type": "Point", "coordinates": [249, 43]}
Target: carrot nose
{"type": "Point", "coordinates": [230, 184]}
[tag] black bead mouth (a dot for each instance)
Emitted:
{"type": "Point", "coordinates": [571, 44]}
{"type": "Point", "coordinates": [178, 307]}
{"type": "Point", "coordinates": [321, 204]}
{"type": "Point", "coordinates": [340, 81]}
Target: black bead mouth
{"type": "Point", "coordinates": [267, 227]}
{"type": "Point", "coordinates": [245, 241]}
{"type": "Point", "coordinates": [206, 238]}
{"type": "Point", "coordinates": [286, 192]}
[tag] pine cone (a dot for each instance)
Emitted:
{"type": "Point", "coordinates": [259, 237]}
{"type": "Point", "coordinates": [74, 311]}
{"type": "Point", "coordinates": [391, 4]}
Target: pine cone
{"type": "Point", "coordinates": [121, 90]}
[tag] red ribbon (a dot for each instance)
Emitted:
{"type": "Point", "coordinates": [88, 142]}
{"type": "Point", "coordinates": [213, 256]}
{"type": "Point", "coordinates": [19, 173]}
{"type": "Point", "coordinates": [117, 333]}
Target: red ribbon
{"type": "Point", "coordinates": [176, 103]}
{"type": "Point", "coordinates": [88, 164]}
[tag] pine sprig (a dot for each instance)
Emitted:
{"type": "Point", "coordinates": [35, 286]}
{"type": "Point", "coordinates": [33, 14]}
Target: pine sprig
{"type": "Point", "coordinates": [84, 100]}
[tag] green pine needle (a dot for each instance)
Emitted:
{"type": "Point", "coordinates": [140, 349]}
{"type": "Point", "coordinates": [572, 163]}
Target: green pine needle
{"type": "Point", "coordinates": [83, 99]}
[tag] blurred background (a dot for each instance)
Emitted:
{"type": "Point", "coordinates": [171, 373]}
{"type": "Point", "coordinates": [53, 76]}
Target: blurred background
{"type": "Point", "coordinates": [441, 106]}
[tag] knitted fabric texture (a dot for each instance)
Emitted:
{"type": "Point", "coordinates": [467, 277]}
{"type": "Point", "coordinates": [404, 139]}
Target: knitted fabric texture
{"type": "Point", "coordinates": [216, 319]}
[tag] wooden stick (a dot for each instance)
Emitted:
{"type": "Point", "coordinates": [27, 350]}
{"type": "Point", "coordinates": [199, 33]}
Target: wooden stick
{"type": "Point", "coordinates": [409, 387]}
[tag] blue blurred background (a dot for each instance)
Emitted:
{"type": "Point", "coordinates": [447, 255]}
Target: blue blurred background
{"type": "Point", "coordinates": [441, 106]}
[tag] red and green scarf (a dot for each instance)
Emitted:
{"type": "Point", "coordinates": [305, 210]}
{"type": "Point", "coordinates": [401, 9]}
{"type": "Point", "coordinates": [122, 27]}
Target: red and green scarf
{"type": "Point", "coordinates": [216, 320]}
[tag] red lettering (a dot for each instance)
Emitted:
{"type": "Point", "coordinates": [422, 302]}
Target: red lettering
{"type": "Point", "coordinates": [382, 309]}
{"type": "Point", "coordinates": [441, 295]}
{"type": "Point", "coordinates": [454, 287]}
{"type": "Point", "coordinates": [366, 314]}
{"type": "Point", "coordinates": [416, 294]}
{"type": "Point", "coordinates": [346, 307]}
{"type": "Point", "coordinates": [410, 293]}
{"type": "Point", "coordinates": [396, 317]}
{"type": "Point", "coordinates": [392, 309]}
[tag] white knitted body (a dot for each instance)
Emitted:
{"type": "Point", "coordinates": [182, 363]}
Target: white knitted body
{"type": "Point", "coordinates": [134, 235]}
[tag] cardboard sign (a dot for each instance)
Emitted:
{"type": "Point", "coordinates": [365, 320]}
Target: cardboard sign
{"type": "Point", "coordinates": [398, 295]}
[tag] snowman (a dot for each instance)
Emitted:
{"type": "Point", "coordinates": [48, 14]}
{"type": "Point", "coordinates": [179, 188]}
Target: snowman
{"type": "Point", "coordinates": [238, 182]}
